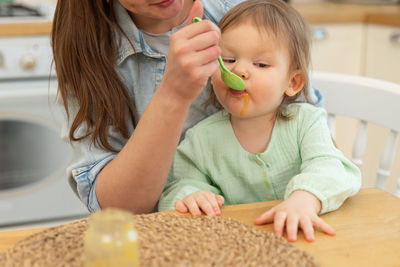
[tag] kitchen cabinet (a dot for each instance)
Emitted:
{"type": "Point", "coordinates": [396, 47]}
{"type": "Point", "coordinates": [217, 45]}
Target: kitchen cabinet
{"type": "Point", "coordinates": [383, 52]}
{"type": "Point", "coordinates": [338, 47]}
{"type": "Point", "coordinates": [365, 49]}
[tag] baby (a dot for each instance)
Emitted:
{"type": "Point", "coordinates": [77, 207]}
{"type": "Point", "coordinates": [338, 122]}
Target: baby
{"type": "Point", "coordinates": [268, 141]}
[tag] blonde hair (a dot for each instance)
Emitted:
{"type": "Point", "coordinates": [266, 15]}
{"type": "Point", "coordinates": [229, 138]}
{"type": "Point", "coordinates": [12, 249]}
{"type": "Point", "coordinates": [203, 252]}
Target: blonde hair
{"type": "Point", "coordinates": [279, 18]}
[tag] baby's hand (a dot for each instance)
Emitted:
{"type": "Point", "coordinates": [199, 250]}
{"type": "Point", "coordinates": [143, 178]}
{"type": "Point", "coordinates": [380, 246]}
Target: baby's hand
{"type": "Point", "coordinates": [199, 201]}
{"type": "Point", "coordinates": [300, 210]}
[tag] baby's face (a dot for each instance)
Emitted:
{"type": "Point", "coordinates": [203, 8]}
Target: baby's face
{"type": "Point", "coordinates": [262, 61]}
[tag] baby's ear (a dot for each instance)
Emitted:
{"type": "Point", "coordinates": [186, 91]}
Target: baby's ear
{"type": "Point", "coordinates": [296, 83]}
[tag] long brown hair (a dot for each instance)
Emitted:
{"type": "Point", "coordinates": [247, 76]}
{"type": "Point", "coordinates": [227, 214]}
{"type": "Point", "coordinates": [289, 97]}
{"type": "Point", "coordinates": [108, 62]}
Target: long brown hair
{"type": "Point", "coordinates": [85, 49]}
{"type": "Point", "coordinates": [279, 18]}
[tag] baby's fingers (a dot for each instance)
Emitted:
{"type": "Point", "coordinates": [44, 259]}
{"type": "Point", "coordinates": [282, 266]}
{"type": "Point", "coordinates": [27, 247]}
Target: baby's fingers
{"type": "Point", "coordinates": [180, 206]}
{"type": "Point", "coordinates": [279, 222]}
{"type": "Point", "coordinates": [220, 200]}
{"type": "Point", "coordinates": [266, 217]}
{"type": "Point", "coordinates": [322, 226]}
{"type": "Point", "coordinates": [207, 203]}
{"type": "Point", "coordinates": [191, 204]}
{"type": "Point", "coordinates": [307, 227]}
{"type": "Point", "coordinates": [213, 202]}
{"type": "Point", "coordinates": [292, 225]}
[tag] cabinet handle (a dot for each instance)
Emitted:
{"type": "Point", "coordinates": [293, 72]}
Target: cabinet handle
{"type": "Point", "coordinates": [319, 34]}
{"type": "Point", "coordinates": [395, 38]}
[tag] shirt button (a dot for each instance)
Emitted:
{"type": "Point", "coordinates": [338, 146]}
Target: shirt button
{"type": "Point", "coordinates": [259, 162]}
{"type": "Point", "coordinates": [270, 197]}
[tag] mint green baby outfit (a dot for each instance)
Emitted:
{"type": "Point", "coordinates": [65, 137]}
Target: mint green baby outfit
{"type": "Point", "coordinates": [300, 156]}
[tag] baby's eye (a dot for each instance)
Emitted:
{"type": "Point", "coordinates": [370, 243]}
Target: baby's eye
{"type": "Point", "coordinates": [261, 65]}
{"type": "Point", "coordinates": [228, 60]}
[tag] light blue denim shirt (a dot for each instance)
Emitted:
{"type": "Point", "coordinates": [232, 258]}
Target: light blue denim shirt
{"type": "Point", "coordinates": [141, 70]}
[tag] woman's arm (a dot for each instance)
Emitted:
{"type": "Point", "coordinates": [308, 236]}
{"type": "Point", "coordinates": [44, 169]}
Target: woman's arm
{"type": "Point", "coordinates": [135, 178]}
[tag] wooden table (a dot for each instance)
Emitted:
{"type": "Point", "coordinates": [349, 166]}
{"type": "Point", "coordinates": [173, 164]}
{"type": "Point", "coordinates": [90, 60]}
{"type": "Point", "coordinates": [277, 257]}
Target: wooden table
{"type": "Point", "coordinates": [367, 230]}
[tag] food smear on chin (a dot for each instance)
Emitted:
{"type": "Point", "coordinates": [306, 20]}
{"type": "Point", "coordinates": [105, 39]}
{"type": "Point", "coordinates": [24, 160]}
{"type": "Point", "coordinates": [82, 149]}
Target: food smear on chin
{"type": "Point", "coordinates": [246, 99]}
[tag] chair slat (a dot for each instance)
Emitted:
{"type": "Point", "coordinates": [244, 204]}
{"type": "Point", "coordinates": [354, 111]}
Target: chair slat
{"type": "Point", "coordinates": [386, 160]}
{"type": "Point", "coordinates": [360, 143]}
{"type": "Point", "coordinates": [397, 192]}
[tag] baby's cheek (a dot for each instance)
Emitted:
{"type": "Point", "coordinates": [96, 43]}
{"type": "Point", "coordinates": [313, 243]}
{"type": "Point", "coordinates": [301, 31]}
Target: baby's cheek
{"type": "Point", "coordinates": [215, 79]}
{"type": "Point", "coordinates": [217, 82]}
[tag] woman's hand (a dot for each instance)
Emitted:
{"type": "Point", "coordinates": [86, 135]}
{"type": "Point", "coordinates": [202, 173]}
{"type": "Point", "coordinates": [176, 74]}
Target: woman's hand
{"type": "Point", "coordinates": [199, 201]}
{"type": "Point", "coordinates": [299, 210]}
{"type": "Point", "coordinates": [192, 57]}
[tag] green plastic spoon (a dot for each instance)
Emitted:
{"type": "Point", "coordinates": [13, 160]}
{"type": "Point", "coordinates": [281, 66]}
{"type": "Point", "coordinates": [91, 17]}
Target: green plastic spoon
{"type": "Point", "coordinates": [229, 78]}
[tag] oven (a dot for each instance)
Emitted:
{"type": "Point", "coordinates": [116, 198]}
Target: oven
{"type": "Point", "coordinates": [33, 183]}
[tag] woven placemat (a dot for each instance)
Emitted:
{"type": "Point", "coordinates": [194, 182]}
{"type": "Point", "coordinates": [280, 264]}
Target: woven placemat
{"type": "Point", "coordinates": [166, 240]}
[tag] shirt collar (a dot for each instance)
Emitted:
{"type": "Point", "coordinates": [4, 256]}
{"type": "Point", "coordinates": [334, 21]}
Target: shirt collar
{"type": "Point", "coordinates": [132, 43]}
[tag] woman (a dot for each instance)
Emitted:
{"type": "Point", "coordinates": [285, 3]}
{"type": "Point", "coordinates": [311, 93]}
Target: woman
{"type": "Point", "coordinates": [131, 75]}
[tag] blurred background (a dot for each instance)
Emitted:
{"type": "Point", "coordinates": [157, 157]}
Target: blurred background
{"type": "Point", "coordinates": [360, 37]}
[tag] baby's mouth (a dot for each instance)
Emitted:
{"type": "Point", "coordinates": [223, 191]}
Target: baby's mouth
{"type": "Point", "coordinates": [237, 92]}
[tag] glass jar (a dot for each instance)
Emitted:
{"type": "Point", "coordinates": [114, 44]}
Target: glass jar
{"type": "Point", "coordinates": [111, 239]}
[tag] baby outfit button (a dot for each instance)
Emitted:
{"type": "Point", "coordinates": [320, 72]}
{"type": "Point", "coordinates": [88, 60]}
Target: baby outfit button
{"type": "Point", "coordinates": [259, 162]}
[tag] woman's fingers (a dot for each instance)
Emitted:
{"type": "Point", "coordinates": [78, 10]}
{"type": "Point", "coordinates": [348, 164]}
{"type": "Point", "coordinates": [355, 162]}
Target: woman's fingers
{"type": "Point", "coordinates": [192, 30]}
{"type": "Point", "coordinates": [208, 37]}
{"type": "Point", "coordinates": [196, 11]}
{"type": "Point", "coordinates": [192, 59]}
{"type": "Point", "coordinates": [198, 51]}
{"type": "Point", "coordinates": [198, 68]}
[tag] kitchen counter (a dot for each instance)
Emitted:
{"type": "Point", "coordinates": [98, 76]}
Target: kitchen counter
{"type": "Point", "coordinates": [24, 27]}
{"type": "Point", "coordinates": [315, 12]}
{"type": "Point", "coordinates": [320, 12]}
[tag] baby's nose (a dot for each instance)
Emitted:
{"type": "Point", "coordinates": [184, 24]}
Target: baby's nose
{"type": "Point", "coordinates": [244, 75]}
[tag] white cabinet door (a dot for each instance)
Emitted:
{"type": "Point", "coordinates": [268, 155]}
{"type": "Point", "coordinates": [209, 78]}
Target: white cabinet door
{"type": "Point", "coordinates": [383, 52]}
{"type": "Point", "coordinates": [338, 47]}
